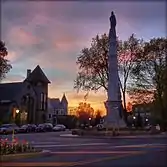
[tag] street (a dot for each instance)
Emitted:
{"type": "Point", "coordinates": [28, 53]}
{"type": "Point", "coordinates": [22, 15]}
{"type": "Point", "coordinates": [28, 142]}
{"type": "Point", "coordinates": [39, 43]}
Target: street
{"type": "Point", "coordinates": [81, 151]}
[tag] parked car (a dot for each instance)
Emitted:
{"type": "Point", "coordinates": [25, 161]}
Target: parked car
{"type": "Point", "coordinates": [100, 127]}
{"type": "Point", "coordinates": [59, 127]}
{"type": "Point", "coordinates": [24, 129]}
{"type": "Point", "coordinates": [40, 128]}
{"type": "Point", "coordinates": [9, 128]}
{"type": "Point", "coordinates": [27, 128]}
{"type": "Point", "coordinates": [46, 127]}
{"type": "Point", "coordinates": [33, 127]}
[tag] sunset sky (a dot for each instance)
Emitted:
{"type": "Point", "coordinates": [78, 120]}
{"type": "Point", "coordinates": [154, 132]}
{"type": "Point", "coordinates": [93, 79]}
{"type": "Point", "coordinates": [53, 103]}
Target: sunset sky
{"type": "Point", "coordinates": [52, 34]}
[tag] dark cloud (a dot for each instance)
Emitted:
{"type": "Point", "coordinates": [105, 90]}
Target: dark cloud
{"type": "Point", "coordinates": [98, 11]}
{"type": "Point", "coordinates": [80, 12]}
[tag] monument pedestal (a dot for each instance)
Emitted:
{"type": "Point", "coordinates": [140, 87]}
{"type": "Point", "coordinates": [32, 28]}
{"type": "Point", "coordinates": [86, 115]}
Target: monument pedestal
{"type": "Point", "coordinates": [113, 119]}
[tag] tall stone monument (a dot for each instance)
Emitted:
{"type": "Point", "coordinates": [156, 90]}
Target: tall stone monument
{"type": "Point", "coordinates": [113, 103]}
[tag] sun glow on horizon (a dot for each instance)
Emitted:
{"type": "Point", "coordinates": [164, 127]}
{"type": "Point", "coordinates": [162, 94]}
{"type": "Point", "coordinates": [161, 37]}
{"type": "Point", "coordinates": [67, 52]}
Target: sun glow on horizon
{"type": "Point", "coordinates": [96, 100]}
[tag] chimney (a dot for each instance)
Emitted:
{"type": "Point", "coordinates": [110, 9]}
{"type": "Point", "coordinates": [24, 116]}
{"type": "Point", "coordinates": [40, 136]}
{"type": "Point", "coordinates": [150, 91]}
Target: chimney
{"type": "Point", "coordinates": [28, 72]}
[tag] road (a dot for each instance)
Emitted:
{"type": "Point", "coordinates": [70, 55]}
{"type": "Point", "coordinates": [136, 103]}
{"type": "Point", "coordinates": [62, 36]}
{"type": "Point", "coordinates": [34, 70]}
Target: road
{"type": "Point", "coordinates": [85, 152]}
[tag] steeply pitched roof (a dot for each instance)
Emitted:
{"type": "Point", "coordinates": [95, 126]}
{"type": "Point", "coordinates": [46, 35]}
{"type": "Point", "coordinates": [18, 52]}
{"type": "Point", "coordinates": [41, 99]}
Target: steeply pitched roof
{"type": "Point", "coordinates": [64, 99]}
{"type": "Point", "coordinates": [37, 75]}
{"type": "Point", "coordinates": [8, 91]}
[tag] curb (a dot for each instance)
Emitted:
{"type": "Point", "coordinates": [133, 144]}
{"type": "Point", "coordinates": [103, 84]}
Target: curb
{"type": "Point", "coordinates": [6, 158]}
{"type": "Point", "coordinates": [116, 137]}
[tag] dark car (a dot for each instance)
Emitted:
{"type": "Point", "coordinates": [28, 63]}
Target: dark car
{"type": "Point", "coordinates": [40, 128]}
{"type": "Point", "coordinates": [9, 128]}
{"type": "Point", "coordinates": [33, 127]}
{"type": "Point", "coordinates": [24, 129]}
{"type": "Point", "coordinates": [46, 127]}
{"type": "Point", "coordinates": [27, 128]}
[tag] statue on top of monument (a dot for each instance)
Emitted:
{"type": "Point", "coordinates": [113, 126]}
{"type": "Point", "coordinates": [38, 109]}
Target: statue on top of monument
{"type": "Point", "coordinates": [112, 20]}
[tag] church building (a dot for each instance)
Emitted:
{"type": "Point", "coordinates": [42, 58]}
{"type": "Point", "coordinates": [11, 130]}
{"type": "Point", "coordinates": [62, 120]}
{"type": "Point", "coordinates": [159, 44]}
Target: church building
{"type": "Point", "coordinates": [26, 100]}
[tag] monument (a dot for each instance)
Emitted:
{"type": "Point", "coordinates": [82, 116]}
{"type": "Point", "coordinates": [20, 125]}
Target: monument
{"type": "Point", "coordinates": [113, 103]}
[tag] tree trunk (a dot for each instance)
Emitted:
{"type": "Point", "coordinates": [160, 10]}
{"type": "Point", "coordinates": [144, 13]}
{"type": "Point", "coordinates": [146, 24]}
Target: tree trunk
{"type": "Point", "coordinates": [125, 109]}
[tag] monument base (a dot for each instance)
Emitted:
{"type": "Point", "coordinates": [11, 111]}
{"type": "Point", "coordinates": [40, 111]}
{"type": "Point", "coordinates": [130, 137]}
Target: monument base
{"type": "Point", "coordinates": [113, 119]}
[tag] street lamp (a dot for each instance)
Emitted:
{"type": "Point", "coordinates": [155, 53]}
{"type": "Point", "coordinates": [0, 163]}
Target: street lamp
{"type": "Point", "coordinates": [17, 111]}
{"type": "Point", "coordinates": [134, 117]}
{"type": "Point", "coordinates": [90, 121]}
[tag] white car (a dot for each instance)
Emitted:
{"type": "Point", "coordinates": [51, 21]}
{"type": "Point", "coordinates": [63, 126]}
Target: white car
{"type": "Point", "coordinates": [59, 127]}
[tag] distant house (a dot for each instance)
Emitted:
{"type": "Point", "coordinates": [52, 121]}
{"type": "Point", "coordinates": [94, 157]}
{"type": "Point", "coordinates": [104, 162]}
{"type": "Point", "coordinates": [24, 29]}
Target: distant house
{"type": "Point", "coordinates": [57, 107]}
{"type": "Point", "coordinates": [28, 97]}
{"type": "Point", "coordinates": [142, 109]}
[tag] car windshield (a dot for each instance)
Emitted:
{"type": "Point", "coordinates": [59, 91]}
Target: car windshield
{"type": "Point", "coordinates": [41, 125]}
{"type": "Point", "coordinates": [24, 126]}
{"type": "Point", "coordinates": [5, 126]}
{"type": "Point", "coordinates": [48, 124]}
{"type": "Point", "coordinates": [60, 125]}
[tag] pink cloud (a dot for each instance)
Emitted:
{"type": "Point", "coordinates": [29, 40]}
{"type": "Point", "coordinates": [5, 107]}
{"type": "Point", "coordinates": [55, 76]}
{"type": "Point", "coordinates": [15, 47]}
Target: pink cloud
{"type": "Point", "coordinates": [22, 37]}
{"type": "Point", "coordinates": [12, 56]}
{"type": "Point", "coordinates": [55, 60]}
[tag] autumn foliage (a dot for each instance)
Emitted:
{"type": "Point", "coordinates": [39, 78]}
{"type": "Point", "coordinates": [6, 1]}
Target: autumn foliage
{"type": "Point", "coordinates": [84, 111]}
{"type": "Point", "coordinates": [129, 107]}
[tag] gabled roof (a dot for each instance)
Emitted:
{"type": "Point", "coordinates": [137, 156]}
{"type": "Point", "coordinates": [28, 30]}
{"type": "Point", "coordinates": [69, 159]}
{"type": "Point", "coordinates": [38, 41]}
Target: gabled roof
{"type": "Point", "coordinates": [8, 91]}
{"type": "Point", "coordinates": [37, 75]}
{"type": "Point", "coordinates": [64, 99]}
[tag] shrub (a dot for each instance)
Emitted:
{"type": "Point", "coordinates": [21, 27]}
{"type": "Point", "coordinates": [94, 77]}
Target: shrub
{"type": "Point", "coordinates": [15, 146]}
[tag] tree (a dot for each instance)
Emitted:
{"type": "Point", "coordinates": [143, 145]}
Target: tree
{"type": "Point", "coordinates": [149, 73]}
{"type": "Point", "coordinates": [4, 63]}
{"type": "Point", "coordinates": [98, 117]}
{"type": "Point", "coordinates": [84, 112]}
{"type": "Point", "coordinates": [93, 64]}
{"type": "Point", "coordinates": [129, 107]}
{"type": "Point", "coordinates": [127, 56]}
{"type": "Point", "coordinates": [93, 69]}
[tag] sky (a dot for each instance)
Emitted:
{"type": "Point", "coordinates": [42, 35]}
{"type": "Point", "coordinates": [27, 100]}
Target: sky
{"type": "Point", "coordinates": [52, 33]}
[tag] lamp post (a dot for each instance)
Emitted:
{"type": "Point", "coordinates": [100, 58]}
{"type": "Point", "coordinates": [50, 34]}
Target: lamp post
{"type": "Point", "coordinates": [16, 112]}
{"type": "Point", "coordinates": [17, 116]}
{"type": "Point", "coordinates": [90, 120]}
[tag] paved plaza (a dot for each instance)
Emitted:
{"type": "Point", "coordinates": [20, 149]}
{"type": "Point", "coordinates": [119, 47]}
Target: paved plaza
{"type": "Point", "coordinates": [77, 151]}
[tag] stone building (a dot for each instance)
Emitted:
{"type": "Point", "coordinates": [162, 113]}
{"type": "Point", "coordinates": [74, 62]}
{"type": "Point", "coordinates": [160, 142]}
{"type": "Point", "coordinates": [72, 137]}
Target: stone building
{"type": "Point", "coordinates": [28, 98]}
